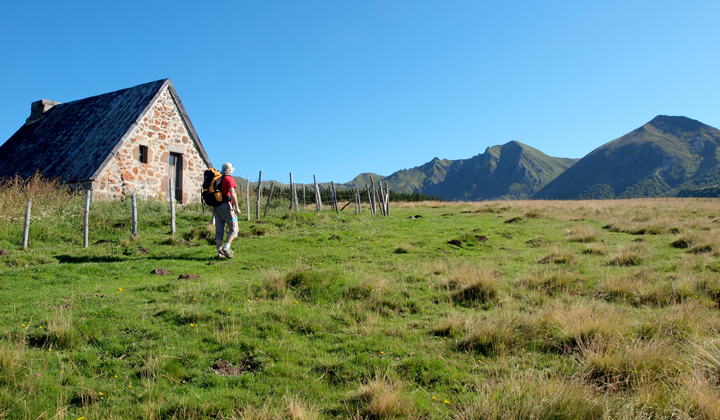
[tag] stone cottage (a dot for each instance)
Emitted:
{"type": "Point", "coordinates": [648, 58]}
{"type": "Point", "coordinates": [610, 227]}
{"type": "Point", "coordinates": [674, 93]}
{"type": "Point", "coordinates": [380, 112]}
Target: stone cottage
{"type": "Point", "coordinates": [131, 140]}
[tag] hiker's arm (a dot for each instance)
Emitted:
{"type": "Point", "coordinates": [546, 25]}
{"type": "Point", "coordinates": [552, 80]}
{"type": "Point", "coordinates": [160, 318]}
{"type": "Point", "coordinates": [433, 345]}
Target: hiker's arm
{"type": "Point", "coordinates": [234, 200]}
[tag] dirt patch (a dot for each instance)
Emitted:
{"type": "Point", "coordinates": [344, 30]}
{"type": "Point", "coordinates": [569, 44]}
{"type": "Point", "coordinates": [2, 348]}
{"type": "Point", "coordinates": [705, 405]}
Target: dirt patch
{"type": "Point", "coordinates": [142, 250]}
{"type": "Point", "coordinates": [482, 238]}
{"type": "Point", "coordinates": [224, 368]}
{"type": "Point", "coordinates": [334, 237]}
{"type": "Point", "coordinates": [514, 220]}
{"type": "Point", "coordinates": [417, 216]}
{"type": "Point", "coordinates": [211, 263]}
{"type": "Point", "coordinates": [160, 272]}
{"type": "Point", "coordinates": [102, 241]}
{"type": "Point", "coordinates": [4, 253]}
{"type": "Point", "coordinates": [189, 277]}
{"type": "Point", "coordinates": [455, 242]}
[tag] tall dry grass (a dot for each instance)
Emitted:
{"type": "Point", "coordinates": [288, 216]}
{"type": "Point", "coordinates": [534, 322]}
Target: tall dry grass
{"type": "Point", "coordinates": [379, 398]}
{"type": "Point", "coordinates": [615, 365]}
{"type": "Point", "coordinates": [288, 408]}
{"type": "Point", "coordinates": [533, 395]}
{"type": "Point", "coordinates": [45, 193]}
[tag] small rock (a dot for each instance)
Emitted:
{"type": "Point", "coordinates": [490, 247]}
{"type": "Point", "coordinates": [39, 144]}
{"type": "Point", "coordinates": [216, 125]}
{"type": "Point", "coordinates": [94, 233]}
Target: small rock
{"type": "Point", "coordinates": [142, 250]}
{"type": "Point", "coordinates": [160, 272]}
{"type": "Point", "coordinates": [4, 253]}
{"type": "Point", "coordinates": [189, 277]}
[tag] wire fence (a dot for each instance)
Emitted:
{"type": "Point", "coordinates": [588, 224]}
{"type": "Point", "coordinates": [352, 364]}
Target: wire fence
{"type": "Point", "coordinates": [52, 213]}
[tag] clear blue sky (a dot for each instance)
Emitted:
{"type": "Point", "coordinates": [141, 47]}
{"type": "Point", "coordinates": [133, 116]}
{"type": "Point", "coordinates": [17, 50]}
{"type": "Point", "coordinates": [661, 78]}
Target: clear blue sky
{"type": "Point", "coordinates": [337, 88]}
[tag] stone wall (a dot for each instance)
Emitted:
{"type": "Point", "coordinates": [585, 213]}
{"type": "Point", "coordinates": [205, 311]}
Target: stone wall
{"type": "Point", "coordinates": [162, 131]}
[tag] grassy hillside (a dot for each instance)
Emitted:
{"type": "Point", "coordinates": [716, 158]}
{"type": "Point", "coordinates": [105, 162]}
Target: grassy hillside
{"type": "Point", "coordinates": [419, 178]}
{"type": "Point", "coordinates": [660, 158]}
{"type": "Point", "coordinates": [512, 170]}
{"type": "Point", "coordinates": [528, 309]}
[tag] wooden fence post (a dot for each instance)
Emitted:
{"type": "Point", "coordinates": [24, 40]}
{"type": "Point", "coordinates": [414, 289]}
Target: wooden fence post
{"type": "Point", "coordinates": [291, 192]}
{"type": "Point", "coordinates": [172, 206]}
{"type": "Point", "coordinates": [382, 199]}
{"type": "Point", "coordinates": [358, 198]}
{"type": "Point", "coordinates": [303, 188]}
{"type": "Point", "coordinates": [86, 223]}
{"type": "Point", "coordinates": [134, 215]}
{"type": "Point", "coordinates": [355, 198]}
{"type": "Point", "coordinates": [374, 196]}
{"type": "Point", "coordinates": [367, 188]}
{"type": "Point", "coordinates": [259, 193]}
{"type": "Point", "coordinates": [247, 200]}
{"type": "Point", "coordinates": [318, 200]}
{"type": "Point", "coordinates": [295, 196]}
{"type": "Point", "coordinates": [334, 193]}
{"type": "Point", "coordinates": [267, 206]}
{"type": "Point", "coordinates": [26, 230]}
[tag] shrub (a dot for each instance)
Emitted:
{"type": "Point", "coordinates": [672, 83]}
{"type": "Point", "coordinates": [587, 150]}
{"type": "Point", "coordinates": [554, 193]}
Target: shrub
{"type": "Point", "coordinates": [494, 335]}
{"type": "Point", "coordinates": [677, 322]}
{"type": "Point", "coordinates": [558, 257]}
{"type": "Point", "coordinates": [552, 282]}
{"type": "Point", "coordinates": [569, 327]}
{"type": "Point", "coordinates": [617, 365]}
{"type": "Point", "coordinates": [450, 326]}
{"type": "Point", "coordinates": [371, 287]}
{"type": "Point", "coordinates": [482, 290]}
{"type": "Point", "coordinates": [595, 249]}
{"type": "Point", "coordinates": [532, 396]}
{"type": "Point", "coordinates": [379, 398]}
{"type": "Point", "coordinates": [628, 257]}
{"type": "Point", "coordinates": [584, 234]}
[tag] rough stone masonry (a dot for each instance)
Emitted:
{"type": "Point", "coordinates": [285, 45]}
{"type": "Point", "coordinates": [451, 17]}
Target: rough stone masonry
{"type": "Point", "coordinates": [162, 131]}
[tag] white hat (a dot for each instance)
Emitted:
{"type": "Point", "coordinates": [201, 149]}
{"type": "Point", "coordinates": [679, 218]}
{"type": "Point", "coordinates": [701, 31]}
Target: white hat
{"type": "Point", "coordinates": [227, 169]}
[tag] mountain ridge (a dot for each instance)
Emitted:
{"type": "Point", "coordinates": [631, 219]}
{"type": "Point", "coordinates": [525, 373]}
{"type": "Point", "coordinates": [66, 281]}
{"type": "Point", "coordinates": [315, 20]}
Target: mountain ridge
{"type": "Point", "coordinates": [661, 157]}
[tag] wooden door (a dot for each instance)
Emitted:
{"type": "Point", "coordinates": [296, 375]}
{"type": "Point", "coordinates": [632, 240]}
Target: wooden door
{"type": "Point", "coordinates": [176, 174]}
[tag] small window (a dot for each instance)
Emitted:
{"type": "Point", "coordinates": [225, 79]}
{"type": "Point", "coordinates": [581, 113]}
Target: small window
{"type": "Point", "coordinates": [143, 155]}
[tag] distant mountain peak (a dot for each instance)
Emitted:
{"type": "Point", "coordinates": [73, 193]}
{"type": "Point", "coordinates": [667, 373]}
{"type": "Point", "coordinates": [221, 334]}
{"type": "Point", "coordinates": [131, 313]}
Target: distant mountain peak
{"type": "Point", "coordinates": [675, 124]}
{"type": "Point", "coordinates": [665, 155]}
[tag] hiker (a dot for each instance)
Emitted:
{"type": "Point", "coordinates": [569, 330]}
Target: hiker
{"type": "Point", "coordinates": [226, 212]}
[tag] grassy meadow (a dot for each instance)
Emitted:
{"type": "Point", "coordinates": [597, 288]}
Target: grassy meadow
{"type": "Point", "coordinates": [491, 310]}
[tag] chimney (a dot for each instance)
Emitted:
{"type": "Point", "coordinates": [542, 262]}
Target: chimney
{"type": "Point", "coordinates": [38, 108]}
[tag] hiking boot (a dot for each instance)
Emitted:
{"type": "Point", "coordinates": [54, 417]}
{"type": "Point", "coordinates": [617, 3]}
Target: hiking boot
{"type": "Point", "coordinates": [220, 254]}
{"type": "Point", "coordinates": [226, 252]}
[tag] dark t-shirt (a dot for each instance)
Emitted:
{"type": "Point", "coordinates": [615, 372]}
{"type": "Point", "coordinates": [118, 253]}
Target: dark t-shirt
{"type": "Point", "coordinates": [226, 183]}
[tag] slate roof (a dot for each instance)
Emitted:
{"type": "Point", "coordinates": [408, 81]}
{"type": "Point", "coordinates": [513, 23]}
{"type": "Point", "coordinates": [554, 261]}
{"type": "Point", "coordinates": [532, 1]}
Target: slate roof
{"type": "Point", "coordinates": [75, 140]}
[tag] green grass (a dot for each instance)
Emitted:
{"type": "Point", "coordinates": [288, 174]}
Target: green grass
{"type": "Point", "coordinates": [344, 316]}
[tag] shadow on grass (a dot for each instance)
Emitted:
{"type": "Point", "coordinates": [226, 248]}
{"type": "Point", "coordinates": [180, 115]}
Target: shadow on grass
{"type": "Point", "coordinates": [68, 259]}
